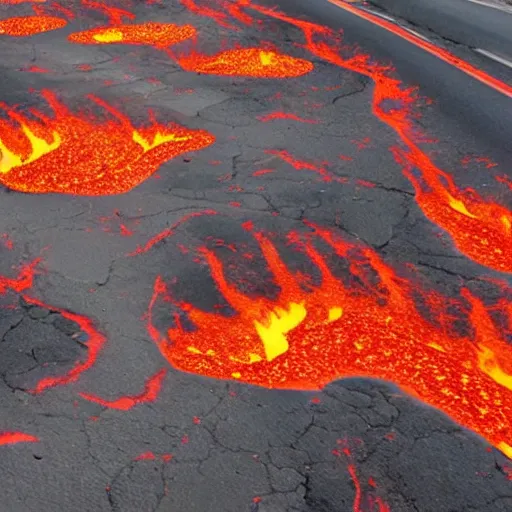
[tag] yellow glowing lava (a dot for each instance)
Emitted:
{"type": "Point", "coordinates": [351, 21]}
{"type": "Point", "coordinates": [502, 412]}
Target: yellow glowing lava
{"type": "Point", "coordinates": [40, 147]}
{"type": "Point", "coordinates": [335, 314]}
{"type": "Point", "coordinates": [488, 364]}
{"type": "Point", "coordinates": [506, 449]}
{"type": "Point", "coordinates": [506, 222]}
{"type": "Point", "coordinates": [159, 138]}
{"type": "Point", "coordinates": [460, 207]}
{"type": "Point", "coordinates": [266, 58]}
{"type": "Point", "coordinates": [280, 321]}
{"type": "Point", "coordinates": [109, 36]}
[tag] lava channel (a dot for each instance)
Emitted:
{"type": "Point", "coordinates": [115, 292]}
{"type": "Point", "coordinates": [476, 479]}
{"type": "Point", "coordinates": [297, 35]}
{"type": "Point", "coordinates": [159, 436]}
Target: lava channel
{"type": "Point", "coordinates": [158, 35]}
{"type": "Point", "coordinates": [81, 155]}
{"type": "Point", "coordinates": [95, 340]}
{"type": "Point", "coordinates": [249, 62]}
{"type": "Point", "coordinates": [480, 228]}
{"type": "Point", "coordinates": [23, 26]}
{"type": "Point", "coordinates": [305, 340]}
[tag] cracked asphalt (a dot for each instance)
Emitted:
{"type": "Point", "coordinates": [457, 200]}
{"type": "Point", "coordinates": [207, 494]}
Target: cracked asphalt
{"type": "Point", "coordinates": [202, 444]}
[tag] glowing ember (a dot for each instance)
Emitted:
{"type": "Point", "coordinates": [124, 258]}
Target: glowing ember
{"type": "Point", "coordinates": [252, 62]}
{"type": "Point", "coordinates": [16, 437]}
{"type": "Point", "coordinates": [160, 35]}
{"type": "Point", "coordinates": [71, 154]}
{"type": "Point", "coordinates": [150, 394]}
{"type": "Point", "coordinates": [166, 457]}
{"type": "Point", "coordinates": [485, 235]}
{"type": "Point", "coordinates": [95, 341]}
{"type": "Point", "coordinates": [30, 25]}
{"type": "Point", "coordinates": [304, 340]}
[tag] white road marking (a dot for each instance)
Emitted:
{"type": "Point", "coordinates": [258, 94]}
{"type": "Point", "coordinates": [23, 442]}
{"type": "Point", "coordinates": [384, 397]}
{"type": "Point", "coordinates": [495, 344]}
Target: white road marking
{"type": "Point", "coordinates": [428, 46]}
{"type": "Point", "coordinates": [379, 14]}
{"type": "Point", "coordinates": [495, 57]}
{"type": "Point", "coordinates": [393, 20]}
{"type": "Point", "coordinates": [417, 34]}
{"type": "Point", "coordinates": [502, 8]}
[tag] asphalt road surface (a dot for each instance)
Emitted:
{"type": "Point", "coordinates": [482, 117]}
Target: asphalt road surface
{"type": "Point", "coordinates": [247, 265]}
{"type": "Point", "coordinates": [462, 21]}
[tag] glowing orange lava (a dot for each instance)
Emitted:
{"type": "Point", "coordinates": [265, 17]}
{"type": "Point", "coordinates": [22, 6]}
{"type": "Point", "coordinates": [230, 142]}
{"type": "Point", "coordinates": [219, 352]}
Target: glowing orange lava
{"type": "Point", "coordinates": [479, 227]}
{"type": "Point", "coordinates": [159, 35]}
{"type": "Point", "coordinates": [125, 403]}
{"type": "Point", "coordinates": [23, 26]}
{"type": "Point", "coordinates": [71, 154]}
{"type": "Point", "coordinates": [16, 437]}
{"type": "Point", "coordinates": [304, 340]}
{"type": "Point", "coordinates": [95, 340]}
{"type": "Point", "coordinates": [251, 62]}
{"type": "Point", "coordinates": [482, 230]}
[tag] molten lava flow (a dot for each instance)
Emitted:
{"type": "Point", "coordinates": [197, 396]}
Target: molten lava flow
{"type": "Point", "coordinates": [71, 154]}
{"type": "Point", "coordinates": [485, 235]}
{"type": "Point", "coordinates": [482, 230]}
{"type": "Point", "coordinates": [304, 340]}
{"type": "Point", "coordinates": [159, 35]}
{"type": "Point", "coordinates": [150, 394]}
{"type": "Point", "coordinates": [23, 26]}
{"type": "Point", "coordinates": [16, 437]}
{"type": "Point", "coordinates": [95, 340]}
{"type": "Point", "coordinates": [252, 62]}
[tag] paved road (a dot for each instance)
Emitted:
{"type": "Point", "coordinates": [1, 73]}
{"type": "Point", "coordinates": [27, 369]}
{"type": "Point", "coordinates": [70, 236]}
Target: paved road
{"type": "Point", "coordinates": [467, 23]}
{"type": "Point", "coordinates": [468, 106]}
{"type": "Point", "coordinates": [200, 260]}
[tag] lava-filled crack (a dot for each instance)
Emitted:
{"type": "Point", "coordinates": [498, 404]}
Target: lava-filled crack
{"type": "Point", "coordinates": [166, 233]}
{"type": "Point", "coordinates": [150, 394]}
{"type": "Point", "coordinates": [78, 327]}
